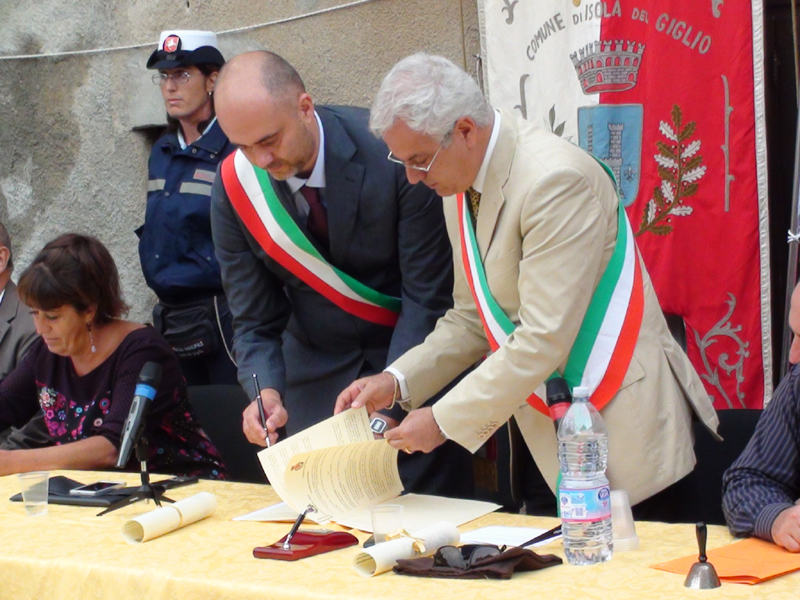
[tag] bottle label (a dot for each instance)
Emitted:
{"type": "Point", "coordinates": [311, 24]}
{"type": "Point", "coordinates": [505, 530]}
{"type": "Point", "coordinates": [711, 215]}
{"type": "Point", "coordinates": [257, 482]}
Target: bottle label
{"type": "Point", "coordinates": [588, 505]}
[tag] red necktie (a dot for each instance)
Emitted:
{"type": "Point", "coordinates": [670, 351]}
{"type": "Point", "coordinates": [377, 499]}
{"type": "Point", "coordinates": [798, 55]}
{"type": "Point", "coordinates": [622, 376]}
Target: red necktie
{"type": "Point", "coordinates": [317, 222]}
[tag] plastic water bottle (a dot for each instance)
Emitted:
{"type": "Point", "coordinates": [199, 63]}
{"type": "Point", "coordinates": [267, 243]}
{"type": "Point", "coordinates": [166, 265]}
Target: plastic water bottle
{"type": "Point", "coordinates": [583, 494]}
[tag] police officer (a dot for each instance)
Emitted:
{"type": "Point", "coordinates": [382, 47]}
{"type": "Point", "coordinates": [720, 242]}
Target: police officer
{"type": "Point", "coordinates": [175, 246]}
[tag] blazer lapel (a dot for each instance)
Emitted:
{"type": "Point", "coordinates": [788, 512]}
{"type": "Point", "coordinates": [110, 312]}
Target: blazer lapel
{"type": "Point", "coordinates": [343, 182]}
{"type": "Point", "coordinates": [492, 198]}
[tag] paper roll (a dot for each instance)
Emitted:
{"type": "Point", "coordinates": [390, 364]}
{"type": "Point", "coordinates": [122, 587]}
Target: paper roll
{"type": "Point", "coordinates": [382, 557]}
{"type": "Point", "coordinates": [169, 518]}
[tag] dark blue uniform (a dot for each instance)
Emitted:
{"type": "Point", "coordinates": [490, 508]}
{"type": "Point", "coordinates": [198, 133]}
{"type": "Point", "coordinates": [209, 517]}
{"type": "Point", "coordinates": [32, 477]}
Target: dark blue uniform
{"type": "Point", "coordinates": [175, 244]}
{"type": "Point", "coordinates": [177, 252]}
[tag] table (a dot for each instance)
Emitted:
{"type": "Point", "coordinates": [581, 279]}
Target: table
{"type": "Point", "coordinates": [72, 554]}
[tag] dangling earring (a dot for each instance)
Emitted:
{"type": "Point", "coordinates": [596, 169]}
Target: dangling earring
{"type": "Point", "coordinates": [91, 337]}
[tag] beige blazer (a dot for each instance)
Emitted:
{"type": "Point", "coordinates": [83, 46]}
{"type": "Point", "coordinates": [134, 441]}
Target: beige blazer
{"type": "Point", "coordinates": [546, 230]}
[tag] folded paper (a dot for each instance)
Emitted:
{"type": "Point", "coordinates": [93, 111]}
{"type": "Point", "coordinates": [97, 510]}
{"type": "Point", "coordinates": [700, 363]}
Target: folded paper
{"type": "Point", "coordinates": [169, 518]}
{"type": "Point", "coordinates": [382, 557]}
{"type": "Point", "coordinates": [750, 561]}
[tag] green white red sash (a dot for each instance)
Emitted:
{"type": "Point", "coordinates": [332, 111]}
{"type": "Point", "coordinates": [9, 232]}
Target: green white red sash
{"type": "Point", "coordinates": [251, 194]}
{"type": "Point", "coordinates": [604, 347]}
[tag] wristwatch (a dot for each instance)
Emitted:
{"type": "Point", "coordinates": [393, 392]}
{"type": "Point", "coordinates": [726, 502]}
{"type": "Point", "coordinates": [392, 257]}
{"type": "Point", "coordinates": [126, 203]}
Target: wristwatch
{"type": "Point", "coordinates": [378, 425]}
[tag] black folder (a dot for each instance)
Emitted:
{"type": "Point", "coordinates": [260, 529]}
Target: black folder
{"type": "Point", "coordinates": [59, 494]}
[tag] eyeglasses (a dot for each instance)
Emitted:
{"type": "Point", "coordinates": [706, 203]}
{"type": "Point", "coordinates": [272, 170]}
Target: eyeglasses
{"type": "Point", "coordinates": [427, 168]}
{"type": "Point", "coordinates": [464, 557]}
{"type": "Point", "coordinates": [178, 78]}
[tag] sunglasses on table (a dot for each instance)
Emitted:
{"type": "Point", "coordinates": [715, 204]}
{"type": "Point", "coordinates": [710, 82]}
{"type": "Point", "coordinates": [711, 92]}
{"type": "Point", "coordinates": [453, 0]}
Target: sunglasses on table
{"type": "Point", "coordinates": [464, 557]}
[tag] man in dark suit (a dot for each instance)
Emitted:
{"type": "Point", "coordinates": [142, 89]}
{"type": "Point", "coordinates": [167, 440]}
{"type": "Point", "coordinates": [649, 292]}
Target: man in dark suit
{"type": "Point", "coordinates": [333, 264]}
{"type": "Point", "coordinates": [17, 333]}
{"type": "Point", "coordinates": [17, 330]}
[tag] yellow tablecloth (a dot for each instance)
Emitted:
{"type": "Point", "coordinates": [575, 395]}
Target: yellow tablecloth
{"type": "Point", "coordinates": [70, 553]}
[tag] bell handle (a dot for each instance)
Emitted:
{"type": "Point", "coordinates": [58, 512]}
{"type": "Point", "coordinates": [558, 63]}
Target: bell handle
{"type": "Point", "coordinates": [702, 536]}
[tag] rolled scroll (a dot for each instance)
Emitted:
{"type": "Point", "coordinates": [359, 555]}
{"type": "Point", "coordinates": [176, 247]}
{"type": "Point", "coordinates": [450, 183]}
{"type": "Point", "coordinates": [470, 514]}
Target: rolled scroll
{"type": "Point", "coordinates": [169, 518]}
{"type": "Point", "coordinates": [382, 557]}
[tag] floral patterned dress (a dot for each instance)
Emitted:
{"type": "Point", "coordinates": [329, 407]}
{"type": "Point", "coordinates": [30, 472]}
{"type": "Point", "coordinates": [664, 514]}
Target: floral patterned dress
{"type": "Point", "coordinates": [78, 407]}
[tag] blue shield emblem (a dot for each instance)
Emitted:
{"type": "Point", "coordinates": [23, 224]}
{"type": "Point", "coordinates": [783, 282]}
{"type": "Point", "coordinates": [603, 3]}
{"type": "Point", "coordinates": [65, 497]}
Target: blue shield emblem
{"type": "Point", "coordinates": [613, 133]}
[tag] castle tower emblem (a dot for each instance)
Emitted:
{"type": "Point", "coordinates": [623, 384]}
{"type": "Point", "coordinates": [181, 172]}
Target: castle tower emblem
{"type": "Point", "coordinates": [608, 65]}
{"type": "Point", "coordinates": [613, 133]}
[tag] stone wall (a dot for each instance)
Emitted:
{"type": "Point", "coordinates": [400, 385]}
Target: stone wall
{"type": "Point", "coordinates": [76, 129]}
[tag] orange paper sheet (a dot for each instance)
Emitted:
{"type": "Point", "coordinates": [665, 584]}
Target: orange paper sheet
{"type": "Point", "coordinates": [750, 561]}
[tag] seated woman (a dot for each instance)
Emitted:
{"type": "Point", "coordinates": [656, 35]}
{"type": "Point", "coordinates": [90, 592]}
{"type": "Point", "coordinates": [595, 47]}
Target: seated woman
{"type": "Point", "coordinates": [83, 372]}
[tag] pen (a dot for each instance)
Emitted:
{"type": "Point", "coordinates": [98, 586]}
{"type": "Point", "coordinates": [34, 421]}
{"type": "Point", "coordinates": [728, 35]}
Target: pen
{"type": "Point", "coordinates": [261, 408]}
{"type": "Point", "coordinates": [295, 527]}
{"type": "Point", "coordinates": [554, 532]}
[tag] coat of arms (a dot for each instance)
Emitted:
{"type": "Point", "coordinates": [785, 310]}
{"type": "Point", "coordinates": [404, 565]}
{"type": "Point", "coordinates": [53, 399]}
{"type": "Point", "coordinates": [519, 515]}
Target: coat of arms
{"type": "Point", "coordinates": [613, 134]}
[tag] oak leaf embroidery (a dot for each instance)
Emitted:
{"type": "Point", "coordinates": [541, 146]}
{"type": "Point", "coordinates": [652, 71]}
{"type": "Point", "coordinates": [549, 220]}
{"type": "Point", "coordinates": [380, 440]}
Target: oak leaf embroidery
{"type": "Point", "coordinates": [680, 168]}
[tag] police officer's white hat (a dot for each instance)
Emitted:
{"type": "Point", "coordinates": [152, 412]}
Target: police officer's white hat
{"type": "Point", "coordinates": [182, 48]}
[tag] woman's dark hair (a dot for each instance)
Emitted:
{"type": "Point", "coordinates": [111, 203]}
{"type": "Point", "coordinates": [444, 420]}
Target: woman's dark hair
{"type": "Point", "coordinates": [173, 125]}
{"type": "Point", "coordinates": [76, 270]}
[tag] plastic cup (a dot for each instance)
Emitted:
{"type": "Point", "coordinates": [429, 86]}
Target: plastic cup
{"type": "Point", "coordinates": [387, 519]}
{"type": "Point", "coordinates": [623, 529]}
{"type": "Point", "coordinates": [35, 488]}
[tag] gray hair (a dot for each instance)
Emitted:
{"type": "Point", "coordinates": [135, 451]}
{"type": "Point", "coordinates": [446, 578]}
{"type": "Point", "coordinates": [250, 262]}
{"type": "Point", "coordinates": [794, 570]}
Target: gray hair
{"type": "Point", "coordinates": [429, 94]}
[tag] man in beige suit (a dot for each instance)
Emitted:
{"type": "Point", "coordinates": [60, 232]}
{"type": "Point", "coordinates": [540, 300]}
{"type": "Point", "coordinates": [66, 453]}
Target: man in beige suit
{"type": "Point", "coordinates": [547, 225]}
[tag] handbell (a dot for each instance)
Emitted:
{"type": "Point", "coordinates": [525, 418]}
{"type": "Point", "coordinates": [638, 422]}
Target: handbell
{"type": "Point", "coordinates": [702, 575]}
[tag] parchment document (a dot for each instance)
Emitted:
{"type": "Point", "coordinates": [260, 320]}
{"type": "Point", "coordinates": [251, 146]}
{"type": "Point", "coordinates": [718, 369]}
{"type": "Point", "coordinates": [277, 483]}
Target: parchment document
{"type": "Point", "coordinates": [169, 518]}
{"type": "Point", "coordinates": [382, 557]}
{"type": "Point", "coordinates": [345, 428]}
{"type": "Point", "coordinates": [343, 480]}
{"type": "Point", "coordinates": [339, 468]}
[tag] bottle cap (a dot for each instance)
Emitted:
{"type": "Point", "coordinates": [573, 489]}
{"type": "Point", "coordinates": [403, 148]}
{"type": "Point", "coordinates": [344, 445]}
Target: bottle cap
{"type": "Point", "coordinates": [580, 392]}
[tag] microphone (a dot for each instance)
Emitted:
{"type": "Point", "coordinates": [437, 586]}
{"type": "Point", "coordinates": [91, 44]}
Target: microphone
{"type": "Point", "coordinates": [146, 386]}
{"type": "Point", "coordinates": [559, 399]}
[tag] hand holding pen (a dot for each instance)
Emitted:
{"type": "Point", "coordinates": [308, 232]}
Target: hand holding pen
{"type": "Point", "coordinates": [261, 414]}
{"type": "Point", "coordinates": [262, 418]}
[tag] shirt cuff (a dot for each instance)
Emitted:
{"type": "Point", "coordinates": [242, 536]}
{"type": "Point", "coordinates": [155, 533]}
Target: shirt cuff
{"type": "Point", "coordinates": [763, 525]}
{"type": "Point", "coordinates": [405, 396]}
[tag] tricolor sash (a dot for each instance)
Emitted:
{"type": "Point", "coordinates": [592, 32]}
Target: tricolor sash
{"type": "Point", "coordinates": [602, 352]}
{"type": "Point", "coordinates": [252, 196]}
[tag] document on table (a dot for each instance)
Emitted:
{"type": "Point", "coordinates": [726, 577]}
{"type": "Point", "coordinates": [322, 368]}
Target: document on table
{"type": "Point", "coordinates": [340, 469]}
{"type": "Point", "coordinates": [345, 428]}
{"type": "Point", "coordinates": [503, 536]}
{"type": "Point", "coordinates": [336, 466]}
{"type": "Point", "coordinates": [277, 513]}
{"type": "Point", "coordinates": [421, 511]}
{"type": "Point", "coordinates": [343, 480]}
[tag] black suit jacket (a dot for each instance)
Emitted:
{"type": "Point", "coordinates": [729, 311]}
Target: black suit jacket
{"type": "Point", "coordinates": [384, 232]}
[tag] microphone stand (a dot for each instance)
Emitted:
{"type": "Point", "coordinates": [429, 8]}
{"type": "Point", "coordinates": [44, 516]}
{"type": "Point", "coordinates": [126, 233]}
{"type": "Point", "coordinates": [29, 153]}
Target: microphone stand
{"type": "Point", "coordinates": [147, 491]}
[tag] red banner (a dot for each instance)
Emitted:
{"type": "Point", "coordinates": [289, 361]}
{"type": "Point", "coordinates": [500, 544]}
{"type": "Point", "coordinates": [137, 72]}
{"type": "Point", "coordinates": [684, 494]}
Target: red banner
{"type": "Point", "coordinates": [670, 95]}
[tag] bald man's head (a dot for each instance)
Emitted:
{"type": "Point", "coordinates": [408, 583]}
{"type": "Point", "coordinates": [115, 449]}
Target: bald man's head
{"type": "Point", "coordinates": [260, 72]}
{"type": "Point", "coordinates": [262, 106]}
